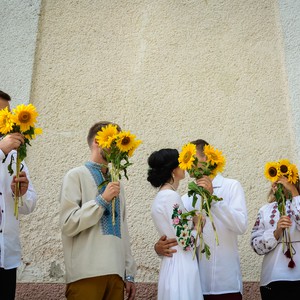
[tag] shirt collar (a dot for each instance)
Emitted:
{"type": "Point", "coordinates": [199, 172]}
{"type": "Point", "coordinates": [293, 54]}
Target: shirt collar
{"type": "Point", "coordinates": [218, 181]}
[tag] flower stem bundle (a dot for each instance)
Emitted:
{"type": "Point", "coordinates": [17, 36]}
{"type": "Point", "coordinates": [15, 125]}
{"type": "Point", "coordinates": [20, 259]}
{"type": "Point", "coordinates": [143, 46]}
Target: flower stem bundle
{"type": "Point", "coordinates": [118, 147]}
{"type": "Point", "coordinates": [21, 120]}
{"type": "Point", "coordinates": [273, 171]}
{"type": "Point", "coordinates": [213, 164]}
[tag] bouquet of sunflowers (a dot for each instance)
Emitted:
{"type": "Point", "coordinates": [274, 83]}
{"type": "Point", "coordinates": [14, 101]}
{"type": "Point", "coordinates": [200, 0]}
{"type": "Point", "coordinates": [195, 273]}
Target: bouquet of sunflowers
{"type": "Point", "coordinates": [22, 120]}
{"type": "Point", "coordinates": [213, 164]}
{"type": "Point", "coordinates": [118, 146]}
{"type": "Point", "coordinates": [273, 171]}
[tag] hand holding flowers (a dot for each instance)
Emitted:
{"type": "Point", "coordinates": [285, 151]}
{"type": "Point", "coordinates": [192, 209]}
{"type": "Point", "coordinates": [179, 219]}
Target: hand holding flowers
{"type": "Point", "coordinates": [213, 163]}
{"type": "Point", "coordinates": [283, 176]}
{"type": "Point", "coordinates": [117, 146]}
{"type": "Point", "coordinates": [21, 124]}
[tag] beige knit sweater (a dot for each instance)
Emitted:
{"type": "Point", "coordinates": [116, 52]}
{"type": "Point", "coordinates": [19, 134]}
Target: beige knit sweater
{"type": "Point", "coordinates": [87, 251]}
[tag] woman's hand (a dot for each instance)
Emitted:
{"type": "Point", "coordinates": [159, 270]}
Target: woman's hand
{"type": "Point", "coordinates": [199, 218]}
{"type": "Point", "coordinates": [283, 223]}
{"type": "Point", "coordinates": [288, 186]}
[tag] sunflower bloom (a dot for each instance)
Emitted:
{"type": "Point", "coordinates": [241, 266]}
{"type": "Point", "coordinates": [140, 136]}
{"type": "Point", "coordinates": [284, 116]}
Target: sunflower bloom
{"type": "Point", "coordinates": [6, 122]}
{"type": "Point", "coordinates": [271, 171]}
{"type": "Point", "coordinates": [187, 157]}
{"type": "Point", "coordinates": [136, 144]}
{"type": "Point", "coordinates": [293, 174]}
{"type": "Point", "coordinates": [25, 116]}
{"type": "Point", "coordinates": [214, 156]}
{"type": "Point", "coordinates": [106, 135]}
{"type": "Point", "coordinates": [284, 167]}
{"type": "Point", "coordinates": [125, 141]}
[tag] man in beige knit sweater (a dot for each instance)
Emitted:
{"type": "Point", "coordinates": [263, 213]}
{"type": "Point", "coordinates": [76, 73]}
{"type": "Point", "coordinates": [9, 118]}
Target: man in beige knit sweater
{"type": "Point", "coordinates": [98, 259]}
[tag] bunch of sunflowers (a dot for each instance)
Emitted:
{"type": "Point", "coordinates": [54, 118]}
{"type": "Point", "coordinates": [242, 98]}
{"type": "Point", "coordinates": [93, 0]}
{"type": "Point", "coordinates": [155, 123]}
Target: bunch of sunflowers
{"type": "Point", "coordinates": [22, 119]}
{"type": "Point", "coordinates": [118, 146]}
{"type": "Point", "coordinates": [213, 164]}
{"type": "Point", "coordinates": [273, 171]}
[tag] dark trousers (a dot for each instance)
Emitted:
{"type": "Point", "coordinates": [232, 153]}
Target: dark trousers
{"type": "Point", "coordinates": [8, 279]}
{"type": "Point", "coordinates": [278, 289]}
{"type": "Point", "coordinates": [231, 296]}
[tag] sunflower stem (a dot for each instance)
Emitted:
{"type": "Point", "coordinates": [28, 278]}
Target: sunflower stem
{"type": "Point", "coordinates": [17, 187]}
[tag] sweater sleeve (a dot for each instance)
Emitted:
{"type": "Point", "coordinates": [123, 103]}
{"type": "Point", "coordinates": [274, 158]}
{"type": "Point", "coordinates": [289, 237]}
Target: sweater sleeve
{"type": "Point", "coordinates": [232, 213]}
{"type": "Point", "coordinates": [262, 239]}
{"type": "Point", "coordinates": [75, 216]}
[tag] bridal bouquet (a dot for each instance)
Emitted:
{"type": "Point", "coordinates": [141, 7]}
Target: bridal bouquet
{"type": "Point", "coordinates": [273, 171]}
{"type": "Point", "coordinates": [213, 164]}
{"type": "Point", "coordinates": [22, 120]}
{"type": "Point", "coordinates": [118, 147]}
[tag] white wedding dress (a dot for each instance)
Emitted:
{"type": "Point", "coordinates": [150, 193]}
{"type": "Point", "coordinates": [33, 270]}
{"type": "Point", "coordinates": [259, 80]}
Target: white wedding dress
{"type": "Point", "coordinates": [179, 277]}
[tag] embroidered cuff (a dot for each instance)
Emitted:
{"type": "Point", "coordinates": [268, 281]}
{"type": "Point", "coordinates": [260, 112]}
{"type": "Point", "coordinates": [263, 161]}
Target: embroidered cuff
{"type": "Point", "coordinates": [101, 201]}
{"type": "Point", "coordinates": [129, 278]}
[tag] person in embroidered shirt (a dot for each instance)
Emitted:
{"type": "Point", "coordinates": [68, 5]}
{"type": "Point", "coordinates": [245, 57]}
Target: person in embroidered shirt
{"type": "Point", "coordinates": [280, 274]}
{"type": "Point", "coordinates": [220, 276]}
{"type": "Point", "coordinates": [10, 249]}
{"type": "Point", "coordinates": [97, 253]}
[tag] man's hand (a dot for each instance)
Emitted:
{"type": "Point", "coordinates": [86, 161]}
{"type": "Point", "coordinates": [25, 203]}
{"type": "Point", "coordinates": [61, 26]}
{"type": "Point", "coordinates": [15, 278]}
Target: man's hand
{"type": "Point", "coordinates": [163, 246]}
{"type": "Point", "coordinates": [206, 183]}
{"type": "Point", "coordinates": [112, 190]}
{"type": "Point", "coordinates": [11, 142]}
{"type": "Point", "coordinates": [130, 290]}
{"type": "Point", "coordinates": [23, 184]}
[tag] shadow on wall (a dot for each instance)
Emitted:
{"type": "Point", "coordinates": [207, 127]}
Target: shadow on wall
{"type": "Point", "coordinates": [145, 291]}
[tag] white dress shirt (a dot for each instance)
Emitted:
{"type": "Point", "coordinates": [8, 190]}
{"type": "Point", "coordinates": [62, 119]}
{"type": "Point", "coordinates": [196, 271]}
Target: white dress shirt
{"type": "Point", "coordinates": [9, 228]}
{"type": "Point", "coordinates": [221, 274]}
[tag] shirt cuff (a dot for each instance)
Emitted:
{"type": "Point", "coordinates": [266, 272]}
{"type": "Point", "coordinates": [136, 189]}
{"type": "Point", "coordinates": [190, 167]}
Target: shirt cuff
{"type": "Point", "coordinates": [129, 278]}
{"type": "Point", "coordinates": [102, 202]}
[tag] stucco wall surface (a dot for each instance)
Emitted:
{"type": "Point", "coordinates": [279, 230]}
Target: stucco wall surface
{"type": "Point", "coordinates": [170, 72]}
{"type": "Point", "coordinates": [290, 21]}
{"type": "Point", "coordinates": [19, 25]}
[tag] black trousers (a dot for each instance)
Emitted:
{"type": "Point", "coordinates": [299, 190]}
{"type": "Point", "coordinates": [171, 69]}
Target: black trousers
{"type": "Point", "coordinates": [8, 279]}
{"type": "Point", "coordinates": [277, 289]}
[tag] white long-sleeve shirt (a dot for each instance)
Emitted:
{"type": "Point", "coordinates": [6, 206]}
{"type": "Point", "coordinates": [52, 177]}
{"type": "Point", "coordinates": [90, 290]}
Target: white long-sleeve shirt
{"type": "Point", "coordinates": [221, 274]}
{"type": "Point", "coordinates": [10, 247]}
{"type": "Point", "coordinates": [275, 263]}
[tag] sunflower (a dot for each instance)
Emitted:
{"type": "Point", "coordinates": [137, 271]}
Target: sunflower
{"type": "Point", "coordinates": [25, 116]}
{"type": "Point", "coordinates": [271, 171]}
{"type": "Point", "coordinates": [6, 122]}
{"type": "Point", "coordinates": [214, 156]}
{"type": "Point", "coordinates": [136, 144]}
{"type": "Point", "coordinates": [187, 157]}
{"type": "Point", "coordinates": [125, 141]}
{"type": "Point", "coordinates": [219, 167]}
{"type": "Point", "coordinates": [106, 135]}
{"type": "Point", "coordinates": [284, 167]}
{"type": "Point", "coordinates": [293, 174]}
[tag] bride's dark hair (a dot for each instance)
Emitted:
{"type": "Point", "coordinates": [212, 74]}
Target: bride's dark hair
{"type": "Point", "coordinates": [161, 165]}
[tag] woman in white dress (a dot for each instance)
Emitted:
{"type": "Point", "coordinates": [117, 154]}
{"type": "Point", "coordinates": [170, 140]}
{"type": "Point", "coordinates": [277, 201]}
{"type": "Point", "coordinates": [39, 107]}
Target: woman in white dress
{"type": "Point", "coordinates": [179, 275]}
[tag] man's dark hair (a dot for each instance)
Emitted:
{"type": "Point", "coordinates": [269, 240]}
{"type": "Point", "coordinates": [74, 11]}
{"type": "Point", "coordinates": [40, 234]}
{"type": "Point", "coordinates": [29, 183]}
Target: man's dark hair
{"type": "Point", "coordinates": [200, 145]}
{"type": "Point", "coordinates": [97, 127]}
{"type": "Point", "coordinates": [4, 96]}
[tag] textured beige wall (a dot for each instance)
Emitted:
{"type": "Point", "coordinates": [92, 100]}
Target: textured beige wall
{"type": "Point", "coordinates": [169, 71]}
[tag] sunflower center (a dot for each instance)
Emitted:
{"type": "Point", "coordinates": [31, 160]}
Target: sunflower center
{"type": "Point", "coordinates": [187, 157]}
{"type": "Point", "coordinates": [283, 169]}
{"type": "Point", "coordinates": [273, 172]}
{"type": "Point", "coordinates": [125, 141]}
{"type": "Point", "coordinates": [24, 117]}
